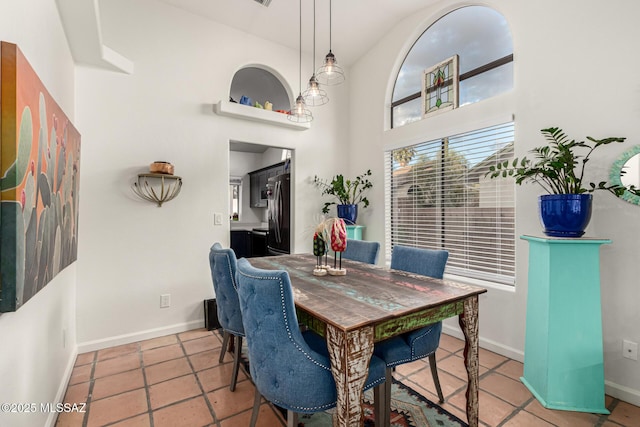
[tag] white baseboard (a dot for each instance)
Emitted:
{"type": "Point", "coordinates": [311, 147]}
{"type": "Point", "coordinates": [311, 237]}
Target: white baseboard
{"type": "Point", "coordinates": [62, 389]}
{"type": "Point", "coordinates": [618, 391]}
{"type": "Point", "coordinates": [487, 344]}
{"type": "Point", "coordinates": [623, 393]}
{"type": "Point", "coordinates": [139, 336]}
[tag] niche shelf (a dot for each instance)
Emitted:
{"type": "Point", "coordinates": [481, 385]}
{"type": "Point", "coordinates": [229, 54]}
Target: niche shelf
{"type": "Point", "coordinates": [245, 112]}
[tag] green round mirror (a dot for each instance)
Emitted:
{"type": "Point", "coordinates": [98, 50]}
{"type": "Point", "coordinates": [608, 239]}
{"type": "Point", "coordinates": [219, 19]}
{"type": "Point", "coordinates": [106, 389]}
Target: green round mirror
{"type": "Point", "coordinates": [626, 172]}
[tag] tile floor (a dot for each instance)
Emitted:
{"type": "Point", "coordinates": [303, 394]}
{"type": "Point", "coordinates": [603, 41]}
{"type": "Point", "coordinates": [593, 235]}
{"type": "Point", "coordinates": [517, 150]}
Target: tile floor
{"type": "Point", "coordinates": [176, 381]}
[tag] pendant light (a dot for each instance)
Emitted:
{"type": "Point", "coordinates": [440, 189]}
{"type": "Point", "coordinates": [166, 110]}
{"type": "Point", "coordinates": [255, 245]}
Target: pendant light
{"type": "Point", "coordinates": [299, 112]}
{"type": "Point", "coordinates": [330, 73]}
{"type": "Point", "coordinates": [314, 96]}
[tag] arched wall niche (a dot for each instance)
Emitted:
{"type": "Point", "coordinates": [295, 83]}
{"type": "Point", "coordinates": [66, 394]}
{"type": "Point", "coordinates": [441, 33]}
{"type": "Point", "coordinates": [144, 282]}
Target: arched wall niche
{"type": "Point", "coordinates": [261, 83]}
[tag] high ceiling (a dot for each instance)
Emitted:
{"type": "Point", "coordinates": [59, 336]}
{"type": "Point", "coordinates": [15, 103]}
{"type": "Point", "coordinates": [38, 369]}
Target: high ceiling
{"type": "Point", "coordinates": [356, 24]}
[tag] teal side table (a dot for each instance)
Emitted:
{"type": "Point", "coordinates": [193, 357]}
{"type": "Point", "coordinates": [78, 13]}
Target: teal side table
{"type": "Point", "coordinates": [354, 232]}
{"type": "Point", "coordinates": [563, 355]}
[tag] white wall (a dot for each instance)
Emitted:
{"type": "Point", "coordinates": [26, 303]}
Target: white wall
{"type": "Point", "coordinates": [130, 250]}
{"type": "Point", "coordinates": [560, 58]}
{"type": "Point", "coordinates": [240, 164]}
{"type": "Point", "coordinates": [35, 359]}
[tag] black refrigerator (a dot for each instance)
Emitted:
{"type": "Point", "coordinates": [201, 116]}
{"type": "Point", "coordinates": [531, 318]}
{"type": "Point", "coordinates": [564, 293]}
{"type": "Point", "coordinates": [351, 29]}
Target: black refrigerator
{"type": "Point", "coordinates": [279, 214]}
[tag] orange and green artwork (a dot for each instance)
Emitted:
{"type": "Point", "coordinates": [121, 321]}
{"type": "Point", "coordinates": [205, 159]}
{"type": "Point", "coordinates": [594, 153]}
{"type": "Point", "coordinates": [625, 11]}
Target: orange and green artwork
{"type": "Point", "coordinates": [39, 172]}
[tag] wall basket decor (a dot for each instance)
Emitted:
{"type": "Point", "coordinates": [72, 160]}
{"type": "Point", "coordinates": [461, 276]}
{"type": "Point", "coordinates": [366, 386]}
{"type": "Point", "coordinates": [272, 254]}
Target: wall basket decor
{"type": "Point", "coordinates": [159, 185]}
{"type": "Point", "coordinates": [39, 172]}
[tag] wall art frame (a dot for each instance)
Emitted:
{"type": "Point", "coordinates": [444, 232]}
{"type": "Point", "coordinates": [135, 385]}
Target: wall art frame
{"type": "Point", "coordinates": [39, 183]}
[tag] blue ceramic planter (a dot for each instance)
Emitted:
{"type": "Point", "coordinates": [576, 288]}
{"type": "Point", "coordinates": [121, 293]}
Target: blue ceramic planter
{"type": "Point", "coordinates": [348, 212]}
{"type": "Point", "coordinates": [565, 215]}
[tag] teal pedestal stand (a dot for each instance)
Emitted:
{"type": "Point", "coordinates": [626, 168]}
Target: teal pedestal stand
{"type": "Point", "coordinates": [354, 232]}
{"type": "Point", "coordinates": [563, 355]}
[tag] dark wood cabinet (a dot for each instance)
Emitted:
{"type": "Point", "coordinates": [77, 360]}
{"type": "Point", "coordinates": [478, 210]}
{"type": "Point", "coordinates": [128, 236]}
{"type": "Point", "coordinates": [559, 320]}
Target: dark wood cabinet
{"type": "Point", "coordinates": [241, 243]}
{"type": "Point", "coordinates": [258, 183]}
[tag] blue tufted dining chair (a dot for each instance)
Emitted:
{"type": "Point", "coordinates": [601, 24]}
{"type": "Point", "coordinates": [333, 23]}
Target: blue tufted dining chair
{"type": "Point", "coordinates": [223, 272]}
{"type": "Point", "coordinates": [423, 342]}
{"type": "Point", "coordinates": [361, 250]}
{"type": "Point", "coordinates": [289, 368]}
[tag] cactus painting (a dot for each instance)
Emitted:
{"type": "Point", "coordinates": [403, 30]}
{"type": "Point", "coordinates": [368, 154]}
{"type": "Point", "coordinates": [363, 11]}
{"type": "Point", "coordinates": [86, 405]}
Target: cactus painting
{"type": "Point", "coordinates": [39, 171]}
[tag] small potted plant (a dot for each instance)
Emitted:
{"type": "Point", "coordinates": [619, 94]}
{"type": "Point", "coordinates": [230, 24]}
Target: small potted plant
{"type": "Point", "coordinates": [559, 169]}
{"type": "Point", "coordinates": [348, 194]}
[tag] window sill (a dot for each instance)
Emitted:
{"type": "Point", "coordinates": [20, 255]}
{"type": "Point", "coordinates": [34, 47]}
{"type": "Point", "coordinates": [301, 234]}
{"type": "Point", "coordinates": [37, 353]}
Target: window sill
{"type": "Point", "coordinates": [239, 111]}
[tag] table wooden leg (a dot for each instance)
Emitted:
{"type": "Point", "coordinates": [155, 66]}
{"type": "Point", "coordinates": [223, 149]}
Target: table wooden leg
{"type": "Point", "coordinates": [350, 354]}
{"type": "Point", "coordinates": [469, 325]}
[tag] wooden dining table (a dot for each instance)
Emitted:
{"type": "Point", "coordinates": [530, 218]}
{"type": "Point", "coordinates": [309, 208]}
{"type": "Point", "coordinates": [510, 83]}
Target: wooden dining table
{"type": "Point", "coordinates": [370, 304]}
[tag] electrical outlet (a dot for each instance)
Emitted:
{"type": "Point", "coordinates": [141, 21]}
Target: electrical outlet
{"type": "Point", "coordinates": [217, 218]}
{"type": "Point", "coordinates": [630, 350]}
{"type": "Point", "coordinates": [165, 300]}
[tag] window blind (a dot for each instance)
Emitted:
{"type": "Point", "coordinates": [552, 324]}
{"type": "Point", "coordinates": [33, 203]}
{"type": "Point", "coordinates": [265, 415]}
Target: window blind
{"type": "Point", "coordinates": [437, 197]}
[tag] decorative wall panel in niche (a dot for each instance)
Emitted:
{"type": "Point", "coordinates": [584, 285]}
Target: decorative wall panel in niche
{"type": "Point", "coordinates": [39, 172]}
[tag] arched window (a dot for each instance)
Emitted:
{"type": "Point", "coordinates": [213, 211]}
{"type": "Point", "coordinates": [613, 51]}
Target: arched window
{"type": "Point", "coordinates": [481, 39]}
{"type": "Point", "coordinates": [437, 193]}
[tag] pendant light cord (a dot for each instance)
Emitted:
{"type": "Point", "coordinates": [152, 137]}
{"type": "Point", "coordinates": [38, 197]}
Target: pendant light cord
{"type": "Point", "coordinates": [314, 37]}
{"type": "Point", "coordinates": [330, 13]}
{"type": "Point", "coordinates": [300, 50]}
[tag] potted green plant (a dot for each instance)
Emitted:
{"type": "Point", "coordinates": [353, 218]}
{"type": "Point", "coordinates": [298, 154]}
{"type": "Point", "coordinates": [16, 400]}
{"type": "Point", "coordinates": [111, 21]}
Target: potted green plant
{"type": "Point", "coordinates": [559, 169]}
{"type": "Point", "coordinates": [348, 194]}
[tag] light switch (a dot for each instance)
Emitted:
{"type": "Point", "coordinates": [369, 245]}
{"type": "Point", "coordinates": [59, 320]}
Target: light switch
{"type": "Point", "coordinates": [217, 218]}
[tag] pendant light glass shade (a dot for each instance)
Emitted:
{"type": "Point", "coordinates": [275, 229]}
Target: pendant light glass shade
{"type": "Point", "coordinates": [314, 96]}
{"type": "Point", "coordinates": [330, 73]}
{"type": "Point", "coordinates": [299, 112]}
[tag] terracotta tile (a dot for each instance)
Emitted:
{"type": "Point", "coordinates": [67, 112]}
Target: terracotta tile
{"type": "Point", "coordinates": [562, 418]}
{"type": "Point", "coordinates": [194, 334]}
{"type": "Point", "coordinates": [442, 353]}
{"type": "Point", "coordinates": [201, 344]}
{"type": "Point", "coordinates": [512, 369]}
{"type": "Point", "coordinates": [218, 377]}
{"type": "Point", "coordinates": [411, 367]}
{"type": "Point", "coordinates": [206, 359]}
{"type": "Point", "coordinates": [492, 410]}
{"type": "Point", "coordinates": [70, 419]}
{"type": "Point", "coordinates": [175, 390]}
{"type": "Point", "coordinates": [506, 388]}
{"type": "Point", "coordinates": [167, 370]}
{"type": "Point", "coordinates": [448, 382]}
{"type": "Point", "coordinates": [625, 414]}
{"type": "Point", "coordinates": [455, 366]}
{"type": "Point", "coordinates": [451, 343]}
{"type": "Point", "coordinates": [194, 412]}
{"type": "Point", "coordinates": [525, 419]}
{"type": "Point", "coordinates": [139, 421]}
{"type": "Point", "coordinates": [77, 393]}
{"type": "Point", "coordinates": [121, 350]}
{"type": "Point", "coordinates": [489, 359]}
{"type": "Point", "coordinates": [226, 403]}
{"type": "Point", "coordinates": [80, 374]}
{"type": "Point", "coordinates": [158, 342]}
{"type": "Point", "coordinates": [118, 383]}
{"type": "Point", "coordinates": [85, 358]}
{"type": "Point", "coordinates": [118, 407]}
{"type": "Point", "coordinates": [162, 354]}
{"type": "Point", "coordinates": [266, 418]}
{"type": "Point", "coordinates": [117, 365]}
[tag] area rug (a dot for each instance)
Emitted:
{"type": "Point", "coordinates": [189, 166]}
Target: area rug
{"type": "Point", "coordinates": [408, 409]}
